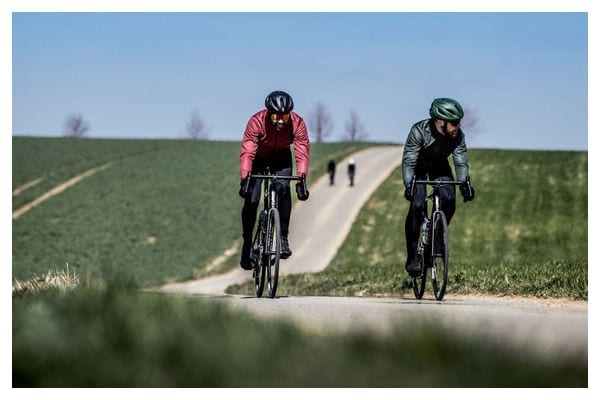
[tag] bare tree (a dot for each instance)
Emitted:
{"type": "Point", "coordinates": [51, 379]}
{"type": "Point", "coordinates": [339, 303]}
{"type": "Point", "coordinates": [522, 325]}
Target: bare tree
{"type": "Point", "coordinates": [76, 126]}
{"type": "Point", "coordinates": [355, 129]}
{"type": "Point", "coordinates": [195, 126]}
{"type": "Point", "coordinates": [470, 122]}
{"type": "Point", "coordinates": [320, 122]}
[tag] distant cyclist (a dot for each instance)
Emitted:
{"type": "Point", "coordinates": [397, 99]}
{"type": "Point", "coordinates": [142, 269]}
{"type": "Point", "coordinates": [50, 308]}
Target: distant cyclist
{"type": "Point", "coordinates": [351, 171]}
{"type": "Point", "coordinates": [426, 152]}
{"type": "Point", "coordinates": [331, 171]}
{"type": "Point", "coordinates": [266, 144]}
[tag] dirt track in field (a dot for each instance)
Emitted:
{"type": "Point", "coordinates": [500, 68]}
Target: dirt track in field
{"type": "Point", "coordinates": [54, 191]}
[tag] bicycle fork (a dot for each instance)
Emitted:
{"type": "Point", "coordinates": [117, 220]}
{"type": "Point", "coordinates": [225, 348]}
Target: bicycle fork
{"type": "Point", "coordinates": [432, 231]}
{"type": "Point", "coordinates": [427, 232]}
{"type": "Point", "coordinates": [272, 205]}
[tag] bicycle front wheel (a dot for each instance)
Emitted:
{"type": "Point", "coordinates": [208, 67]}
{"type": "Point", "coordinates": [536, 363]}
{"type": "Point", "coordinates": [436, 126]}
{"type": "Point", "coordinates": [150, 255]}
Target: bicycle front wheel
{"type": "Point", "coordinates": [418, 282]}
{"type": "Point", "coordinates": [258, 250]}
{"type": "Point", "coordinates": [272, 251]}
{"type": "Point", "coordinates": [439, 255]}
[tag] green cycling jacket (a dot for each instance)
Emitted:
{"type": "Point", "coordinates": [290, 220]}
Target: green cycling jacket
{"type": "Point", "coordinates": [426, 151]}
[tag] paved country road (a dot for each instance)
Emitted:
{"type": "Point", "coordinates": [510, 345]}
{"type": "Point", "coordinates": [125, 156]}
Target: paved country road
{"type": "Point", "coordinates": [551, 327]}
{"type": "Point", "coordinates": [322, 222]}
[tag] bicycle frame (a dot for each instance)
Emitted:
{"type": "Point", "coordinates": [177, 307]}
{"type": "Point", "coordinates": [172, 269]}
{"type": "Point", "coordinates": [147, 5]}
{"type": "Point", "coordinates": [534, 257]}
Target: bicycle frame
{"type": "Point", "coordinates": [268, 234]}
{"type": "Point", "coordinates": [434, 196]}
{"type": "Point", "coordinates": [270, 192]}
{"type": "Point", "coordinates": [433, 219]}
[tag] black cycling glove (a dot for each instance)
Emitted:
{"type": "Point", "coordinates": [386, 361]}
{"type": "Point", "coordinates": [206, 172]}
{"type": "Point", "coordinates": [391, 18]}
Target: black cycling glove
{"type": "Point", "coordinates": [408, 193]}
{"type": "Point", "coordinates": [244, 187]}
{"type": "Point", "coordinates": [301, 190]}
{"type": "Point", "coordinates": [467, 191]}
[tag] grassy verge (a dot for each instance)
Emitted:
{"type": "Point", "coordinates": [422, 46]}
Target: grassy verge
{"type": "Point", "coordinates": [117, 337]}
{"type": "Point", "coordinates": [525, 234]}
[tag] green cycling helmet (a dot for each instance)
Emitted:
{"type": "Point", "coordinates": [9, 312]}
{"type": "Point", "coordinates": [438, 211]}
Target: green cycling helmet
{"type": "Point", "coordinates": [446, 109]}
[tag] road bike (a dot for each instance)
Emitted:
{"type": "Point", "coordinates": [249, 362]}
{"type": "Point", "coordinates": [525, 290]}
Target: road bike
{"type": "Point", "coordinates": [433, 242]}
{"type": "Point", "coordinates": [266, 247]}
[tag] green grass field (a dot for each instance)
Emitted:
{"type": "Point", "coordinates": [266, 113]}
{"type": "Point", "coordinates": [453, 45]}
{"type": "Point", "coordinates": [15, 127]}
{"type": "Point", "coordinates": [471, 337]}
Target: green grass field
{"type": "Point", "coordinates": [164, 208]}
{"type": "Point", "coordinates": [54, 160]}
{"type": "Point", "coordinates": [159, 214]}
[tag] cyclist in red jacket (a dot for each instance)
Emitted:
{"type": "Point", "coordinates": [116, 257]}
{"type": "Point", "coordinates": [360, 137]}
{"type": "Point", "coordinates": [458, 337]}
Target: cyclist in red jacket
{"type": "Point", "coordinates": [266, 144]}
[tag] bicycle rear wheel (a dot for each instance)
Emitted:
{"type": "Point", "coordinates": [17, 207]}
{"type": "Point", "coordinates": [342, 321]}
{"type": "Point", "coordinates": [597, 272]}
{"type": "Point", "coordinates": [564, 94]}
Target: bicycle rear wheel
{"type": "Point", "coordinates": [272, 251]}
{"type": "Point", "coordinates": [439, 255]}
{"type": "Point", "coordinates": [258, 250]}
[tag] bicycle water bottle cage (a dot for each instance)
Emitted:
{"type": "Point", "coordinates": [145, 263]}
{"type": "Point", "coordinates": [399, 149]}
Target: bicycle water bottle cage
{"type": "Point", "coordinates": [425, 230]}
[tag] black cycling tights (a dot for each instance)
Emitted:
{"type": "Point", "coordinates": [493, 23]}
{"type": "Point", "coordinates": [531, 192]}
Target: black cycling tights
{"type": "Point", "coordinates": [416, 212]}
{"type": "Point", "coordinates": [279, 163]}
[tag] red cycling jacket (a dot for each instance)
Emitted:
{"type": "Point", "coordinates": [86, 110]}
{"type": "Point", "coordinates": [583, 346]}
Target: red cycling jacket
{"type": "Point", "coordinates": [261, 138]}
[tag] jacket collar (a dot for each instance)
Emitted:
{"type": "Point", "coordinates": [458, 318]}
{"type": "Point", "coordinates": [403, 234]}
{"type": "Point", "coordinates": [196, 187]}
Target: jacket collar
{"type": "Point", "coordinates": [432, 130]}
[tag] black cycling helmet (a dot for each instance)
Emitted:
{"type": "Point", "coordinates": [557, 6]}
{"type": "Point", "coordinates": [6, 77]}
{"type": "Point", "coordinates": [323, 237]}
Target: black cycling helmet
{"type": "Point", "coordinates": [446, 109]}
{"type": "Point", "coordinates": [279, 102]}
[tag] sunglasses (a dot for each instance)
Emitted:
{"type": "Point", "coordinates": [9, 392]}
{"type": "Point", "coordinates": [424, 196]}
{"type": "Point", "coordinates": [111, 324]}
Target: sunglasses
{"type": "Point", "coordinates": [277, 117]}
{"type": "Point", "coordinates": [454, 123]}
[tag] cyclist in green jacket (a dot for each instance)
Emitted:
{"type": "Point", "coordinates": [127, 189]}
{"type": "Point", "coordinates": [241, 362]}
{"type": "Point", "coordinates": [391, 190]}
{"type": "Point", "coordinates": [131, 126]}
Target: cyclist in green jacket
{"type": "Point", "coordinates": [428, 146]}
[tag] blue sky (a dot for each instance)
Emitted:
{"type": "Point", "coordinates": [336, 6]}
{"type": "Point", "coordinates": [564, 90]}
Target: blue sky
{"type": "Point", "coordinates": [523, 75]}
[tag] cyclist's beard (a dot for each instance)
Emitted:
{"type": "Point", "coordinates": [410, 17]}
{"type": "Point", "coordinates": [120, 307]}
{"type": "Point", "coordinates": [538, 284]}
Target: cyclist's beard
{"type": "Point", "coordinates": [447, 132]}
{"type": "Point", "coordinates": [279, 125]}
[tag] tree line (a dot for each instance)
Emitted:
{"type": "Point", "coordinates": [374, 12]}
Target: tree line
{"type": "Point", "coordinates": [319, 120]}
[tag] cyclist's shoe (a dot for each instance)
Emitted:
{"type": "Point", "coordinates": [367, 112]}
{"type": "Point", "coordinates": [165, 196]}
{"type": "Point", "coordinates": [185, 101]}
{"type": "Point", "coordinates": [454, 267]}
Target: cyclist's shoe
{"type": "Point", "coordinates": [245, 260]}
{"type": "Point", "coordinates": [413, 266]}
{"type": "Point", "coordinates": [286, 252]}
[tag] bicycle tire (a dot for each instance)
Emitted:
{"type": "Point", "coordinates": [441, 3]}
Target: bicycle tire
{"type": "Point", "coordinates": [273, 251]}
{"type": "Point", "coordinates": [419, 282]}
{"type": "Point", "coordinates": [439, 255]}
{"type": "Point", "coordinates": [258, 247]}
